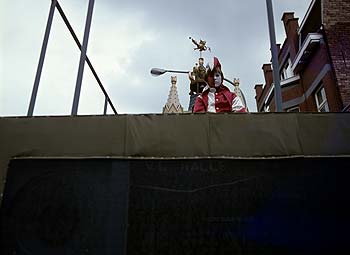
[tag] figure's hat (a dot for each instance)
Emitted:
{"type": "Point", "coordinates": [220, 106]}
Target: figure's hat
{"type": "Point", "coordinates": [213, 64]}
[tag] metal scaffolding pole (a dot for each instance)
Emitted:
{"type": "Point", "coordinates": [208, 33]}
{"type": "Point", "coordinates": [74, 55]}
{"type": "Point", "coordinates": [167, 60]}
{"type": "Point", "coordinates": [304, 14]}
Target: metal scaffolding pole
{"type": "Point", "coordinates": [41, 59]}
{"type": "Point", "coordinates": [82, 58]}
{"type": "Point", "coordinates": [275, 64]}
{"type": "Point", "coordinates": [70, 28]}
{"type": "Point", "coordinates": [105, 106]}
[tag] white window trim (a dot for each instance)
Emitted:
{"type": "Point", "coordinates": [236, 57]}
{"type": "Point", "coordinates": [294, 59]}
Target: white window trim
{"type": "Point", "coordinates": [290, 80]}
{"type": "Point", "coordinates": [287, 72]}
{"type": "Point", "coordinates": [266, 108]}
{"type": "Point", "coordinates": [311, 38]}
{"type": "Point", "coordinates": [324, 103]}
{"type": "Point", "coordinates": [293, 108]}
{"type": "Point", "coordinates": [269, 94]}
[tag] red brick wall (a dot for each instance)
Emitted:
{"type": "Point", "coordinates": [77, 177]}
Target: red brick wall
{"type": "Point", "coordinates": [290, 93]}
{"type": "Point", "coordinates": [293, 37]}
{"type": "Point", "coordinates": [258, 91]}
{"type": "Point", "coordinates": [336, 19]}
{"type": "Point", "coordinates": [291, 26]}
{"type": "Point", "coordinates": [331, 92]}
{"type": "Point", "coordinates": [268, 75]}
{"type": "Point", "coordinates": [310, 73]}
{"type": "Point", "coordinates": [304, 107]}
{"type": "Point", "coordinates": [310, 104]}
{"type": "Point", "coordinates": [335, 11]}
{"type": "Point", "coordinates": [315, 66]}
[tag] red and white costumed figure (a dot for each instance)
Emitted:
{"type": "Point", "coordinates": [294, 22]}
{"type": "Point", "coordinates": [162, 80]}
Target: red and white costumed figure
{"type": "Point", "coordinates": [216, 97]}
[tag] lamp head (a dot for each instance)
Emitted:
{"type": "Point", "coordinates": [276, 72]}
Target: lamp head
{"type": "Point", "coordinates": [157, 71]}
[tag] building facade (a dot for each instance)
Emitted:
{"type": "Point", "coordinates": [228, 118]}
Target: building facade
{"type": "Point", "coordinates": [314, 61]}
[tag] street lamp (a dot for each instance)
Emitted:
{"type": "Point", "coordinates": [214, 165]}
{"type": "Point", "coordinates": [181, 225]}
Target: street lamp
{"type": "Point", "coordinates": [159, 71]}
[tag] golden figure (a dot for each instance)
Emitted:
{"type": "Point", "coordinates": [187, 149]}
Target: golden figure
{"type": "Point", "coordinates": [201, 46]}
{"type": "Point", "coordinates": [197, 77]}
{"type": "Point", "coordinates": [197, 82]}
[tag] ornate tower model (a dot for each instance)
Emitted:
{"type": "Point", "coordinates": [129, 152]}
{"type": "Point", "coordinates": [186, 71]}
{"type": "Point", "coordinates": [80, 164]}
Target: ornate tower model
{"type": "Point", "coordinates": [197, 82]}
{"type": "Point", "coordinates": [173, 104]}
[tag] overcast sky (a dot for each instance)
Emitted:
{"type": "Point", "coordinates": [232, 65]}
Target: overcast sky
{"type": "Point", "coordinates": [127, 39]}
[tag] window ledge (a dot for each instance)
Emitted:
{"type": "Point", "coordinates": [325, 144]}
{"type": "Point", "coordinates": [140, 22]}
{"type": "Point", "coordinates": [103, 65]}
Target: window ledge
{"type": "Point", "coordinates": [312, 40]}
{"type": "Point", "coordinates": [290, 80]}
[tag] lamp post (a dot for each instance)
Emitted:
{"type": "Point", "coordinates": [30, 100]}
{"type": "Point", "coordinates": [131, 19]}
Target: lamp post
{"type": "Point", "coordinates": [159, 71]}
{"type": "Point", "coordinates": [275, 64]}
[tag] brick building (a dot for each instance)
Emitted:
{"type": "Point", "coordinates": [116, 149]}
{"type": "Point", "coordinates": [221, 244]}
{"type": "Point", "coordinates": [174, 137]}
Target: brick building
{"type": "Point", "coordinates": [314, 61]}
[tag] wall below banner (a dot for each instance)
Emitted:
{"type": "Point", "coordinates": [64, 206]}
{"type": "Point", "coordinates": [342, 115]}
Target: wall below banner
{"type": "Point", "coordinates": [204, 206]}
{"type": "Point", "coordinates": [65, 207]}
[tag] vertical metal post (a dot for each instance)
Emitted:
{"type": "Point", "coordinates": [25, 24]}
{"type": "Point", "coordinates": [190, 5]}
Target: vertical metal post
{"type": "Point", "coordinates": [82, 58]}
{"type": "Point", "coordinates": [105, 106]}
{"type": "Point", "coordinates": [275, 64]}
{"type": "Point", "coordinates": [41, 59]}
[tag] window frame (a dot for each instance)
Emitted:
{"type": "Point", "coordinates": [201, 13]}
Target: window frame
{"type": "Point", "coordinates": [286, 70]}
{"type": "Point", "coordinates": [324, 103]}
{"type": "Point", "coordinates": [292, 109]}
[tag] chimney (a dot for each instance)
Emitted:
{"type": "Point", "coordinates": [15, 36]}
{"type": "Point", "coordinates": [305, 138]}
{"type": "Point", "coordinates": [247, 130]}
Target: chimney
{"type": "Point", "coordinates": [268, 74]}
{"type": "Point", "coordinates": [286, 18]}
{"type": "Point", "coordinates": [258, 91]}
{"type": "Point", "coordinates": [278, 48]}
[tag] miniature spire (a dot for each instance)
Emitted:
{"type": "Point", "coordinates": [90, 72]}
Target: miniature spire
{"type": "Point", "coordinates": [239, 93]}
{"type": "Point", "coordinates": [173, 104]}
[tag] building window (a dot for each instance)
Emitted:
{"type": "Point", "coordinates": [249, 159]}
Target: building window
{"type": "Point", "coordinates": [294, 109]}
{"type": "Point", "coordinates": [321, 100]}
{"type": "Point", "coordinates": [286, 70]}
